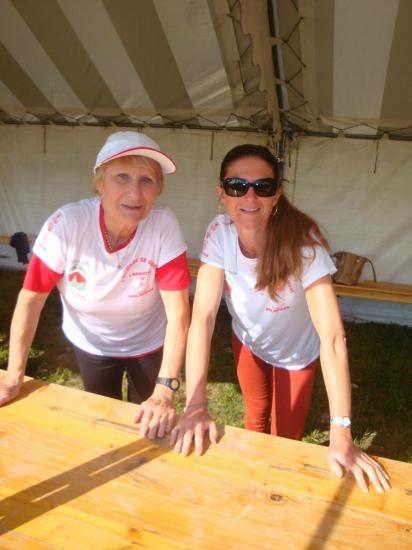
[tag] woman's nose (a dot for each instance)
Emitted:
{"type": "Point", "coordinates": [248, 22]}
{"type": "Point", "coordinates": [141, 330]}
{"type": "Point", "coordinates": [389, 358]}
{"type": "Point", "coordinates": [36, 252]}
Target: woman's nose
{"type": "Point", "coordinates": [250, 192]}
{"type": "Point", "coordinates": [136, 189]}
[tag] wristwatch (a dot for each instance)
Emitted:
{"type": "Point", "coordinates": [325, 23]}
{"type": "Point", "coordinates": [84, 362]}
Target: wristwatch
{"type": "Point", "coordinates": [343, 421]}
{"type": "Point", "coordinates": [172, 383]}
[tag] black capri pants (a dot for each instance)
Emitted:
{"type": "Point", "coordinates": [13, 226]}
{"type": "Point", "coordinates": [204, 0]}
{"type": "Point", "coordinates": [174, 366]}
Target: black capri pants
{"type": "Point", "coordinates": [104, 375]}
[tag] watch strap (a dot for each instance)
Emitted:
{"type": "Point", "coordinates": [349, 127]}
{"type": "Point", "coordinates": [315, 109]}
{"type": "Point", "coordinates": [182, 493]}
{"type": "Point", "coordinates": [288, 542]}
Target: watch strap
{"type": "Point", "coordinates": [171, 383]}
{"type": "Point", "coordinates": [343, 421]}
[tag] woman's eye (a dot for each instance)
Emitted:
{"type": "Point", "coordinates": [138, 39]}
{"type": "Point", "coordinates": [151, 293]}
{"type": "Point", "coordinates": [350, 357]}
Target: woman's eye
{"type": "Point", "coordinates": [146, 181]}
{"type": "Point", "coordinates": [122, 177]}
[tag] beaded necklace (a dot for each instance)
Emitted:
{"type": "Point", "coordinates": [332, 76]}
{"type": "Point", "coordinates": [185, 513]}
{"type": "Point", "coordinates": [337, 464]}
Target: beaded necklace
{"type": "Point", "coordinates": [111, 247]}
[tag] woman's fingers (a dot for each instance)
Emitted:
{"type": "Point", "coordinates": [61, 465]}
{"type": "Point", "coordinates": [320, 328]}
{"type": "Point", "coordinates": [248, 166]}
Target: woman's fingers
{"type": "Point", "coordinates": [170, 421]}
{"type": "Point", "coordinates": [336, 468]}
{"type": "Point", "coordinates": [145, 417]}
{"type": "Point", "coordinates": [156, 418]}
{"type": "Point", "coordinates": [157, 426]}
{"type": "Point", "coordinates": [213, 433]}
{"type": "Point", "coordinates": [191, 429]}
{"type": "Point", "coordinates": [162, 424]}
{"type": "Point", "coordinates": [187, 442]}
{"type": "Point", "coordinates": [174, 437]}
{"type": "Point", "coordinates": [376, 474]}
{"type": "Point", "coordinates": [384, 479]}
{"type": "Point", "coordinates": [364, 469]}
{"type": "Point", "coordinates": [360, 478]}
{"type": "Point", "coordinates": [181, 439]}
{"type": "Point", "coordinates": [199, 439]}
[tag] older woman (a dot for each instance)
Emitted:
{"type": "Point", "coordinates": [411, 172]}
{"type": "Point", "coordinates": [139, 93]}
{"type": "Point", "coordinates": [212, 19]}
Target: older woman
{"type": "Point", "coordinates": [271, 261]}
{"type": "Point", "coordinates": [120, 266]}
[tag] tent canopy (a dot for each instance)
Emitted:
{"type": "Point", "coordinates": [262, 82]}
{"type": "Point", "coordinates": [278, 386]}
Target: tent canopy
{"type": "Point", "coordinates": [304, 66]}
{"type": "Point", "coordinates": [128, 62]}
{"type": "Point", "coordinates": [345, 66]}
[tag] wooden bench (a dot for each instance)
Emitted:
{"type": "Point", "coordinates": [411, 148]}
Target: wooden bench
{"type": "Point", "coordinates": [193, 265]}
{"type": "Point", "coordinates": [368, 290]}
{"type": "Point", "coordinates": [5, 239]}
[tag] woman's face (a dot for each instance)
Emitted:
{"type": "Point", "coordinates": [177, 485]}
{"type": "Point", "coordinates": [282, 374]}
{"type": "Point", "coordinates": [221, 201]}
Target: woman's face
{"type": "Point", "coordinates": [249, 211]}
{"type": "Point", "coordinates": [129, 188]}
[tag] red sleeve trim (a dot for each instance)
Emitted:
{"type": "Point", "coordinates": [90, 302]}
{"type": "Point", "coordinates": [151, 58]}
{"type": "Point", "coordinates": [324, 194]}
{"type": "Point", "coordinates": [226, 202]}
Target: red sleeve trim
{"type": "Point", "coordinates": [39, 277]}
{"type": "Point", "coordinates": [174, 275]}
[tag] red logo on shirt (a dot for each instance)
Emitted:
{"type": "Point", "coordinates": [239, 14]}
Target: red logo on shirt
{"type": "Point", "coordinates": [137, 271]}
{"type": "Point", "coordinates": [276, 309]}
{"type": "Point", "coordinates": [54, 221]}
{"type": "Point", "coordinates": [209, 233]}
{"type": "Point", "coordinates": [77, 277]}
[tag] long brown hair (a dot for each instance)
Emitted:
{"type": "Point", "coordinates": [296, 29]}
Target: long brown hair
{"type": "Point", "coordinates": [287, 232]}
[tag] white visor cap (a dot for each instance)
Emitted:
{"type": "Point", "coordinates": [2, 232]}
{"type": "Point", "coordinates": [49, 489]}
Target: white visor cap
{"type": "Point", "coordinates": [124, 144]}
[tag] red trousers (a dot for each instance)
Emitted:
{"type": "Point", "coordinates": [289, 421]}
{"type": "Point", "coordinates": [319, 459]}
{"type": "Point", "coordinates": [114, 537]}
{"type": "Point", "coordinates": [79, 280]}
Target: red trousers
{"type": "Point", "coordinates": [276, 400]}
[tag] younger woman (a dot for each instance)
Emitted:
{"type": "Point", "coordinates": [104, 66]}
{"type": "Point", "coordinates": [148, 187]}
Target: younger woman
{"type": "Point", "coordinates": [271, 262]}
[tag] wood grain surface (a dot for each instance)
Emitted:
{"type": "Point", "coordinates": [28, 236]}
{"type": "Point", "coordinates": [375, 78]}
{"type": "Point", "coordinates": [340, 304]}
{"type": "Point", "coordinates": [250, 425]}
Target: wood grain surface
{"type": "Point", "coordinates": [74, 474]}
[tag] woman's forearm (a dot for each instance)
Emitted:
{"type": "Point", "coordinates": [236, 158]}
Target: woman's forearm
{"type": "Point", "coordinates": [176, 305]}
{"type": "Point", "coordinates": [174, 345]}
{"type": "Point", "coordinates": [324, 312]}
{"type": "Point", "coordinates": [197, 360]}
{"type": "Point", "coordinates": [336, 376]}
{"type": "Point", "coordinates": [205, 307]}
{"type": "Point", "coordinates": [23, 328]}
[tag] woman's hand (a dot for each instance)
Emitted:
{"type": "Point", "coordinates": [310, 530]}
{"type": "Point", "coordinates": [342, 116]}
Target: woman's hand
{"type": "Point", "coordinates": [8, 390]}
{"type": "Point", "coordinates": [156, 415]}
{"type": "Point", "coordinates": [192, 426]}
{"type": "Point", "coordinates": [344, 456]}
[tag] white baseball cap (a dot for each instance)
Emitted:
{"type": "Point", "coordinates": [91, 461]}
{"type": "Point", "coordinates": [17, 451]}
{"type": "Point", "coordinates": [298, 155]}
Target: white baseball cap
{"type": "Point", "coordinates": [124, 144]}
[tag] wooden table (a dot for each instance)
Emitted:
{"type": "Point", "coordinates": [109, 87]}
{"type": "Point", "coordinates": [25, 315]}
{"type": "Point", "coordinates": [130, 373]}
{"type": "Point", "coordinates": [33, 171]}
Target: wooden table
{"type": "Point", "coordinates": [74, 474]}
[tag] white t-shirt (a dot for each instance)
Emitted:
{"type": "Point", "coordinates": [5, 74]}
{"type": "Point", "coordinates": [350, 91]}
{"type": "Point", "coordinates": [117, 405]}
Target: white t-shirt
{"type": "Point", "coordinates": [278, 332]}
{"type": "Point", "coordinates": [109, 310]}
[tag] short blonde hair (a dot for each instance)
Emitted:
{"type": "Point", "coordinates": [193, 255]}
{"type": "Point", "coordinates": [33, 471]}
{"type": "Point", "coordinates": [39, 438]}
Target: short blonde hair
{"type": "Point", "coordinates": [129, 159]}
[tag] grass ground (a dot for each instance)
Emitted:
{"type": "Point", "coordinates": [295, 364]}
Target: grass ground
{"type": "Point", "coordinates": [380, 359]}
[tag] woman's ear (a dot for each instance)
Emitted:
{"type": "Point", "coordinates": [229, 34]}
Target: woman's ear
{"type": "Point", "coordinates": [98, 187]}
{"type": "Point", "coordinates": [219, 191]}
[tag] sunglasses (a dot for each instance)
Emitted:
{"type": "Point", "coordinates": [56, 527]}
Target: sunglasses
{"type": "Point", "coordinates": [238, 187]}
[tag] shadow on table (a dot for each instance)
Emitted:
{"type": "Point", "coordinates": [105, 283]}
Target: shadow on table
{"type": "Point", "coordinates": [330, 518]}
{"type": "Point", "coordinates": [38, 499]}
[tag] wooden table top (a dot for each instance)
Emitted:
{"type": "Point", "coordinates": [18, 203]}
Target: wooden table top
{"type": "Point", "coordinates": [74, 474]}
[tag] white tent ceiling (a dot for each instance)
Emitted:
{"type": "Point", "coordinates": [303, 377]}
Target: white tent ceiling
{"type": "Point", "coordinates": [344, 66]}
{"type": "Point", "coordinates": [128, 62]}
{"type": "Point", "coordinates": [317, 65]}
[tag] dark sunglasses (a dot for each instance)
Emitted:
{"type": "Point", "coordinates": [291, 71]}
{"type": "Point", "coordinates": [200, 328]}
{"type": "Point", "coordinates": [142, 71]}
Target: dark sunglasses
{"type": "Point", "coordinates": [238, 187]}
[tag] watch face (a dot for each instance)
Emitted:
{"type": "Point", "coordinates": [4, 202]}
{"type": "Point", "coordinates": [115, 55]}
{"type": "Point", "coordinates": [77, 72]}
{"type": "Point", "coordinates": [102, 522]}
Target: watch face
{"type": "Point", "coordinates": [172, 383]}
{"type": "Point", "coordinates": [343, 421]}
